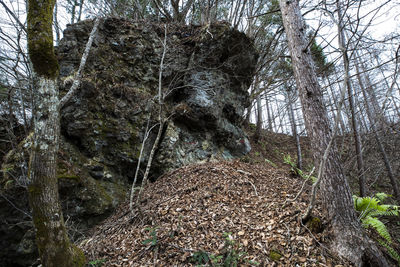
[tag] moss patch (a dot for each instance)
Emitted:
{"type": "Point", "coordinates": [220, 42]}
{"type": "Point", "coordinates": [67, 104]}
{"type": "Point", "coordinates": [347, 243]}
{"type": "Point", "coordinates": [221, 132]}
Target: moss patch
{"type": "Point", "coordinates": [40, 38]}
{"type": "Point", "coordinates": [274, 255]}
{"type": "Point", "coordinates": [315, 225]}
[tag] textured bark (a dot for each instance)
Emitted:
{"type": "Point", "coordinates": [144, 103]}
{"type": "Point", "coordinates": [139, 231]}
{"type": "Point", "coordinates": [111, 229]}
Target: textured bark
{"type": "Point", "coordinates": [349, 239]}
{"type": "Point", "coordinates": [55, 248]}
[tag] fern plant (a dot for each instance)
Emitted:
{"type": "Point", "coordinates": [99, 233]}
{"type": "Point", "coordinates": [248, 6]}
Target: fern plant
{"type": "Point", "coordinates": [296, 171]}
{"type": "Point", "coordinates": [370, 208]}
{"type": "Point", "coordinates": [392, 252]}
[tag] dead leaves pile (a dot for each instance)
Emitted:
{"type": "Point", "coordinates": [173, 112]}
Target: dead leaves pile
{"type": "Point", "coordinates": [196, 208]}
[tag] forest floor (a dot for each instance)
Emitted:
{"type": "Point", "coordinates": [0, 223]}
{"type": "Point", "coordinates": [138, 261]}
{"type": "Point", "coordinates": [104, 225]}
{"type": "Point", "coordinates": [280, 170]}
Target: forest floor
{"type": "Point", "coordinates": [232, 213]}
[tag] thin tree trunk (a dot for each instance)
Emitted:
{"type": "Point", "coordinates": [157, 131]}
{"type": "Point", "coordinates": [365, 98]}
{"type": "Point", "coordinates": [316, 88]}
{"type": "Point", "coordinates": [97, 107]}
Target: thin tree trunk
{"type": "Point", "coordinates": [341, 123]}
{"type": "Point", "coordinates": [259, 121]}
{"type": "Point", "coordinates": [78, 76]}
{"type": "Point", "coordinates": [279, 126]}
{"type": "Point", "coordinates": [377, 113]}
{"type": "Point", "coordinates": [257, 133]}
{"type": "Point", "coordinates": [370, 89]}
{"type": "Point", "coordinates": [73, 11]}
{"type": "Point", "coordinates": [349, 240]}
{"type": "Point", "coordinates": [347, 83]}
{"type": "Point", "coordinates": [345, 108]}
{"type": "Point", "coordinates": [160, 119]}
{"type": "Point", "coordinates": [246, 121]}
{"type": "Point", "coordinates": [80, 10]}
{"type": "Point", "coordinates": [55, 248]}
{"type": "Point", "coordinates": [268, 113]}
{"type": "Point", "coordinates": [294, 130]}
{"type": "Point", "coordinates": [378, 138]}
{"type": "Point", "coordinates": [56, 25]}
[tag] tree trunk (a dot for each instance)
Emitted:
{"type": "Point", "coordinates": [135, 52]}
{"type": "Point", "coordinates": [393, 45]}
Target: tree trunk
{"type": "Point", "coordinates": [259, 122]}
{"type": "Point", "coordinates": [246, 121]}
{"type": "Point", "coordinates": [55, 248]}
{"type": "Point", "coordinates": [80, 10]}
{"type": "Point", "coordinates": [373, 121]}
{"type": "Point", "coordinates": [356, 134]}
{"type": "Point", "coordinates": [73, 11]}
{"type": "Point", "coordinates": [349, 240]}
{"type": "Point", "coordinates": [56, 25]}
{"type": "Point", "coordinates": [294, 130]}
{"type": "Point", "coordinates": [341, 123]}
{"type": "Point", "coordinates": [268, 113]}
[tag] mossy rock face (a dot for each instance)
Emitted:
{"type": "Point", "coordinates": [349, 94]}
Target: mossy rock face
{"type": "Point", "coordinates": [206, 73]}
{"type": "Point", "coordinates": [205, 78]}
{"type": "Point", "coordinates": [85, 200]}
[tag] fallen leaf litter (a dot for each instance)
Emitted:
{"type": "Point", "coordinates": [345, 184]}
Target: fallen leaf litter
{"type": "Point", "coordinates": [189, 210]}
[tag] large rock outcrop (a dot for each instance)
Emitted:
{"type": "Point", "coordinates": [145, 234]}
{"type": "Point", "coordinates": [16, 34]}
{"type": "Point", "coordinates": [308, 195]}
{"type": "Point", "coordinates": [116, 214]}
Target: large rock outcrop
{"type": "Point", "coordinates": [206, 73]}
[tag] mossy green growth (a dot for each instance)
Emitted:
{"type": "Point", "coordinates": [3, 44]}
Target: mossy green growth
{"type": "Point", "coordinates": [315, 225]}
{"type": "Point", "coordinates": [68, 176]}
{"type": "Point", "coordinates": [51, 238]}
{"type": "Point", "coordinates": [40, 38]}
{"type": "Point", "coordinates": [102, 199]}
{"type": "Point", "coordinates": [63, 172]}
{"type": "Point", "coordinates": [275, 255]}
{"type": "Point", "coordinates": [79, 258]}
{"type": "Point", "coordinates": [33, 189]}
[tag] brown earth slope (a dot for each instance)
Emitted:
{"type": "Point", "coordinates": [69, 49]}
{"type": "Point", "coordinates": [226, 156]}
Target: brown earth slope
{"type": "Point", "coordinates": [216, 214]}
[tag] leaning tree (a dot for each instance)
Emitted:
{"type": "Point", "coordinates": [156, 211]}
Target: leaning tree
{"type": "Point", "coordinates": [349, 241]}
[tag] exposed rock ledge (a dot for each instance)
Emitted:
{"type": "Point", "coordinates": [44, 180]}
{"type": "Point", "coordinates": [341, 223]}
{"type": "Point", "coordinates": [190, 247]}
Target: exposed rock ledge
{"type": "Point", "coordinates": [207, 71]}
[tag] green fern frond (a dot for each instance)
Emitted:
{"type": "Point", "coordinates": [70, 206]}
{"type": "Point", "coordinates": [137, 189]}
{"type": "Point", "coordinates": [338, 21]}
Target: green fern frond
{"type": "Point", "coordinates": [382, 196]}
{"type": "Point", "coordinates": [369, 209]}
{"type": "Point", "coordinates": [392, 252]}
{"type": "Point", "coordinates": [366, 204]}
{"type": "Point", "coordinates": [379, 226]}
{"type": "Point", "coordinates": [387, 211]}
{"type": "Point", "coordinates": [370, 206]}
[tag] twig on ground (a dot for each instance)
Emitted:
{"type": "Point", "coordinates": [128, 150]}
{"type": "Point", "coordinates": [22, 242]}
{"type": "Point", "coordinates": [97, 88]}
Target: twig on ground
{"type": "Point", "coordinates": [302, 187]}
{"type": "Point", "coordinates": [254, 187]}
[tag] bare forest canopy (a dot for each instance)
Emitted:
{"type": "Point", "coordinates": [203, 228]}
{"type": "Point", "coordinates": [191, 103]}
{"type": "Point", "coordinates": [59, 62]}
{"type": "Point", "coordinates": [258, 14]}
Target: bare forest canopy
{"type": "Point", "coordinates": [371, 38]}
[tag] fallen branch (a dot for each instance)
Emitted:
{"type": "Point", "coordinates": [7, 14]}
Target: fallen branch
{"type": "Point", "coordinates": [78, 75]}
{"type": "Point", "coordinates": [302, 187]}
